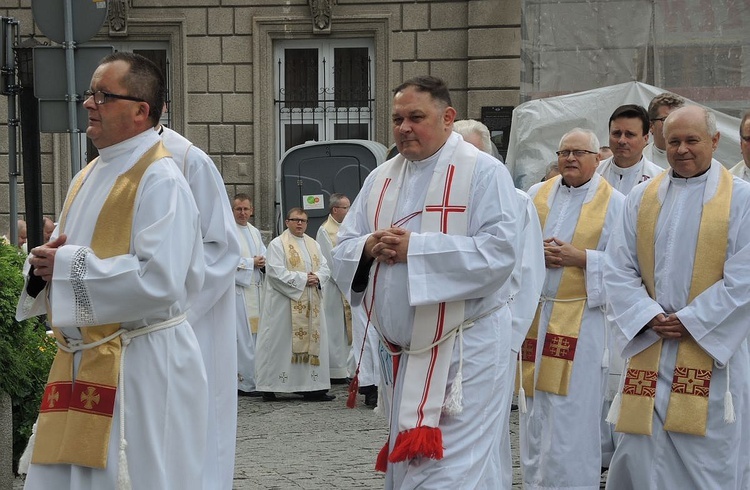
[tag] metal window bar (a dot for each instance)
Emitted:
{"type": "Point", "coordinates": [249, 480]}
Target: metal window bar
{"type": "Point", "coordinates": [302, 111]}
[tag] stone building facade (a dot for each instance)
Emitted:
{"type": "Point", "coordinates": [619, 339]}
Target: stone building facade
{"type": "Point", "coordinates": [230, 67]}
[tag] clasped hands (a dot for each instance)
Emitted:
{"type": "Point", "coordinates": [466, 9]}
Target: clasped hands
{"type": "Point", "coordinates": [389, 245]}
{"type": "Point", "coordinates": [43, 257]}
{"type": "Point", "coordinates": [668, 326]}
{"type": "Point", "coordinates": [558, 253]}
{"type": "Point", "coordinates": [312, 280]}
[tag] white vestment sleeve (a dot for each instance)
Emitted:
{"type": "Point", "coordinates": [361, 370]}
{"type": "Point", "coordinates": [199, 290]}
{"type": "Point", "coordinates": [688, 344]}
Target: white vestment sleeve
{"type": "Point", "coordinates": [134, 286]}
{"type": "Point", "coordinates": [221, 247]}
{"type": "Point", "coordinates": [452, 267]}
{"type": "Point", "coordinates": [324, 242]}
{"type": "Point", "coordinates": [353, 234]}
{"type": "Point", "coordinates": [630, 305]}
{"type": "Point", "coordinates": [243, 276]}
{"type": "Point", "coordinates": [528, 275]}
{"type": "Point", "coordinates": [718, 318]}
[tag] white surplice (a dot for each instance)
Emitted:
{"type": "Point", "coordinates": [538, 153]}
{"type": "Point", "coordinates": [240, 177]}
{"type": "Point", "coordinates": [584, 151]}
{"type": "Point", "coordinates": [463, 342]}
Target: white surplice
{"type": "Point", "coordinates": [274, 369]}
{"type": "Point", "coordinates": [333, 304]}
{"type": "Point", "coordinates": [656, 155]}
{"type": "Point", "coordinates": [164, 378]}
{"type": "Point", "coordinates": [526, 285]}
{"type": "Point", "coordinates": [442, 268]}
{"type": "Point", "coordinates": [248, 281]}
{"type": "Point", "coordinates": [624, 179]}
{"type": "Point", "coordinates": [741, 171]}
{"type": "Point", "coordinates": [211, 312]}
{"type": "Point", "coordinates": [561, 433]}
{"type": "Point", "coordinates": [717, 319]}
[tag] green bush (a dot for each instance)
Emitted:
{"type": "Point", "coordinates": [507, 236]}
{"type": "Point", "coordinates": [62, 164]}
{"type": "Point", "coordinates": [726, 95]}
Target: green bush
{"type": "Point", "coordinates": [26, 352]}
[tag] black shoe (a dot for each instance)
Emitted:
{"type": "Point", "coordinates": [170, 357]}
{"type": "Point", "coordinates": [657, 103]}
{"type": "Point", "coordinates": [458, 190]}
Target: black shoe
{"type": "Point", "coordinates": [252, 394]}
{"type": "Point", "coordinates": [371, 398]}
{"type": "Point", "coordinates": [340, 381]}
{"type": "Point", "coordinates": [318, 397]}
{"type": "Point", "coordinates": [268, 396]}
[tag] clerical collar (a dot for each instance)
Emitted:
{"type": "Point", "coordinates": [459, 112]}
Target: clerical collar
{"type": "Point", "coordinates": [565, 184]}
{"type": "Point", "coordinates": [624, 170]}
{"type": "Point", "coordinates": [430, 159]}
{"type": "Point", "coordinates": [678, 176]}
{"type": "Point", "coordinates": [124, 149]}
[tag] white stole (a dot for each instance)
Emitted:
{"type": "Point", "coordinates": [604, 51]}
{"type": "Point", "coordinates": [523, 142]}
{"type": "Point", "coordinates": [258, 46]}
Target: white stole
{"type": "Point", "coordinates": [433, 333]}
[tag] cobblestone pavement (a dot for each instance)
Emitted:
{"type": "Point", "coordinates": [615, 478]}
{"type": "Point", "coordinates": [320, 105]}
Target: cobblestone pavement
{"type": "Point", "coordinates": [292, 444]}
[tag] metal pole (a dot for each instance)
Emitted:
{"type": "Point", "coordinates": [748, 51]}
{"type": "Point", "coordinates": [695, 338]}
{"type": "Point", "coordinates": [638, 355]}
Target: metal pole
{"type": "Point", "coordinates": [10, 70]}
{"type": "Point", "coordinates": [69, 46]}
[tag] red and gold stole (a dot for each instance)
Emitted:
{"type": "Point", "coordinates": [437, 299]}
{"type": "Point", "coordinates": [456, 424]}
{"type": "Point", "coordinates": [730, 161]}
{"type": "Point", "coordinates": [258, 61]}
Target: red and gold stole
{"type": "Point", "coordinates": [687, 411]}
{"type": "Point", "coordinates": [306, 310]}
{"type": "Point", "coordinates": [433, 331]}
{"type": "Point", "coordinates": [564, 325]}
{"type": "Point", "coordinates": [76, 417]}
{"type": "Point", "coordinates": [331, 227]}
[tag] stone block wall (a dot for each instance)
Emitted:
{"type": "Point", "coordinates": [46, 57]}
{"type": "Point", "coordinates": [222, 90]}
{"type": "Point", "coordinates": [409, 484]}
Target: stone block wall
{"type": "Point", "coordinates": [222, 70]}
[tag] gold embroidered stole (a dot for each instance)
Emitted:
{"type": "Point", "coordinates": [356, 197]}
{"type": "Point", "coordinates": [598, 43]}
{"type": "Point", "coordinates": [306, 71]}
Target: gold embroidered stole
{"type": "Point", "coordinates": [558, 351]}
{"type": "Point", "coordinates": [687, 411]}
{"type": "Point", "coordinates": [252, 292]}
{"type": "Point", "coordinates": [306, 310]}
{"type": "Point", "coordinates": [75, 417]}
{"type": "Point", "coordinates": [331, 227]}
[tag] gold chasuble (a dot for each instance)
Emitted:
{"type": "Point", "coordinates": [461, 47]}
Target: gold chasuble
{"type": "Point", "coordinates": [306, 310]}
{"type": "Point", "coordinates": [75, 418]}
{"type": "Point", "coordinates": [687, 411]}
{"type": "Point", "coordinates": [565, 319]}
{"type": "Point", "coordinates": [331, 227]}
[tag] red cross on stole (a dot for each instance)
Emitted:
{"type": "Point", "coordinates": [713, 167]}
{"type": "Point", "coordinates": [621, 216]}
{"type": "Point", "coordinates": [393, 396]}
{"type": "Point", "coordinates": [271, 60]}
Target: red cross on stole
{"type": "Point", "coordinates": [444, 208]}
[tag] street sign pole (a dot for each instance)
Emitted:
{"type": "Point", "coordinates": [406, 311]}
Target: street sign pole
{"type": "Point", "coordinates": [72, 98]}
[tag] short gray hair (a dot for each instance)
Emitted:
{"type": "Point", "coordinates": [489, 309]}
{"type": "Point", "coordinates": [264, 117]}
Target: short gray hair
{"type": "Point", "coordinates": [468, 127]}
{"type": "Point", "coordinates": [593, 140]}
{"type": "Point", "coordinates": [335, 200]}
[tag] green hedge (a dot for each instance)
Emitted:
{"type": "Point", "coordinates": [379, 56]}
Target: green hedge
{"type": "Point", "coordinates": [26, 352]}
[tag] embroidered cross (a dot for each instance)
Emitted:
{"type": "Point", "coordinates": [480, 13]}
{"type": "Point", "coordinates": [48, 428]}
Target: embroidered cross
{"type": "Point", "coordinates": [691, 381]}
{"type": "Point", "coordinates": [316, 336]}
{"type": "Point", "coordinates": [283, 377]}
{"type": "Point", "coordinates": [299, 306]}
{"type": "Point", "coordinates": [299, 333]}
{"type": "Point", "coordinates": [559, 346]}
{"type": "Point", "coordinates": [314, 376]}
{"type": "Point", "coordinates": [528, 350]}
{"type": "Point", "coordinates": [640, 382]}
{"type": "Point", "coordinates": [444, 208]}
{"type": "Point", "coordinates": [53, 397]}
{"type": "Point", "coordinates": [90, 397]}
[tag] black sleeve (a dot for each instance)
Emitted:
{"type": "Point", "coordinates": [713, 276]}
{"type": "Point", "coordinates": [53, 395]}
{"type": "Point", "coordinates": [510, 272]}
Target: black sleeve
{"type": "Point", "coordinates": [35, 284]}
{"type": "Point", "coordinates": [362, 276]}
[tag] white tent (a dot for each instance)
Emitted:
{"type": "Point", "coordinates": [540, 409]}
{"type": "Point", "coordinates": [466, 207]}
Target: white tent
{"type": "Point", "coordinates": [538, 125]}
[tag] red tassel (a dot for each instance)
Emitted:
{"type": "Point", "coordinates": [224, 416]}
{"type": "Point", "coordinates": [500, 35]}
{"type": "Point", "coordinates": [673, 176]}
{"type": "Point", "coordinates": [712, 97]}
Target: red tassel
{"type": "Point", "coordinates": [381, 464]}
{"type": "Point", "coordinates": [351, 401]}
{"type": "Point", "coordinates": [425, 442]}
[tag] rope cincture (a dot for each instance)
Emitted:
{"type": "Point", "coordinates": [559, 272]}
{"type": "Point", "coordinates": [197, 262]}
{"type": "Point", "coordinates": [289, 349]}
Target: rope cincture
{"type": "Point", "coordinates": [126, 336]}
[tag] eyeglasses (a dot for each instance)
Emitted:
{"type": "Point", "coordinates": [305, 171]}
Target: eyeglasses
{"type": "Point", "coordinates": [100, 97]}
{"type": "Point", "coordinates": [576, 153]}
{"type": "Point", "coordinates": [342, 207]}
{"type": "Point", "coordinates": [659, 119]}
{"type": "Point", "coordinates": [746, 139]}
{"type": "Point", "coordinates": [297, 220]}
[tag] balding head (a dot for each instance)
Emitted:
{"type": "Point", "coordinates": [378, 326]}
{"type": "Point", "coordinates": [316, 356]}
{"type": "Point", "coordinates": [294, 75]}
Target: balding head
{"type": "Point", "coordinates": [691, 136]}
